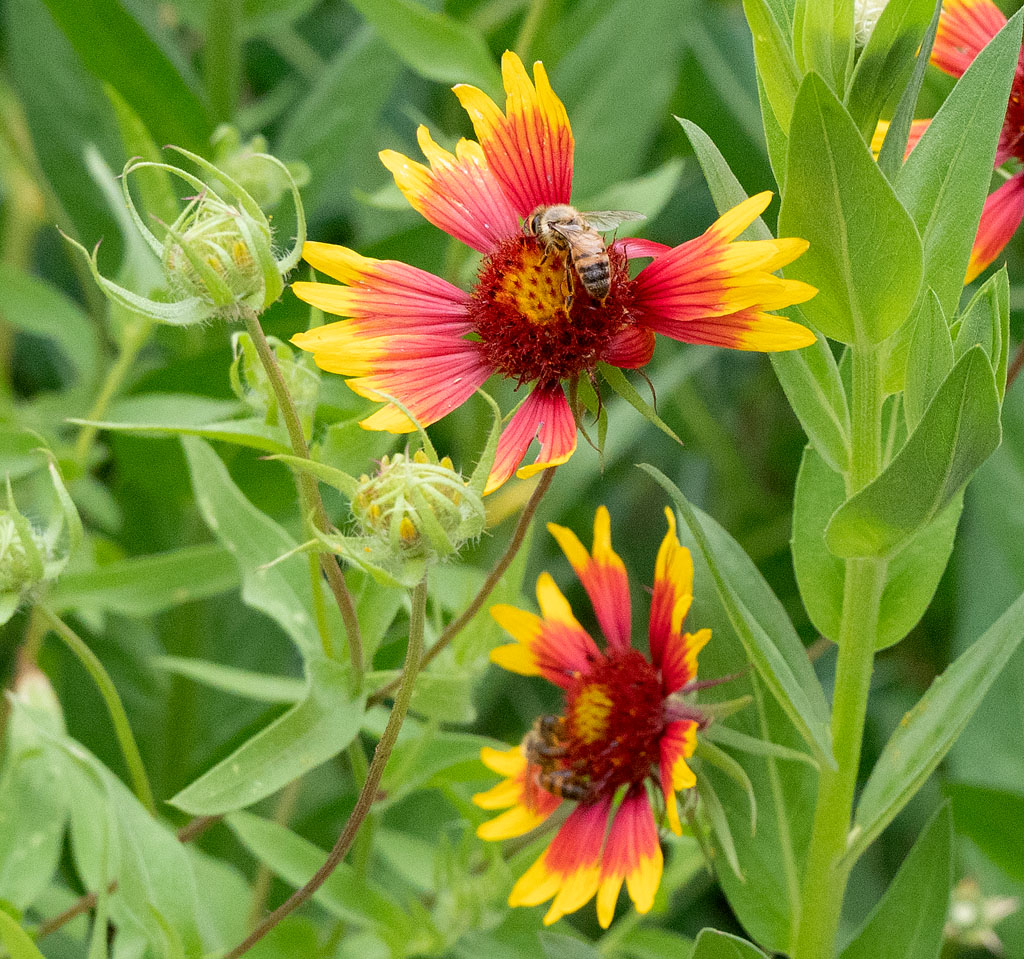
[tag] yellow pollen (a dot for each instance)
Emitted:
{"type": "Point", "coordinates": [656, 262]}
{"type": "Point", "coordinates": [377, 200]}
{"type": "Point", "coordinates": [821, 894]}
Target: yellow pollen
{"type": "Point", "coordinates": [374, 511]}
{"type": "Point", "coordinates": [407, 530]}
{"type": "Point", "coordinates": [540, 289]}
{"type": "Point", "coordinates": [446, 462]}
{"type": "Point", "coordinates": [590, 713]}
{"type": "Point", "coordinates": [240, 254]}
{"type": "Point", "coordinates": [419, 457]}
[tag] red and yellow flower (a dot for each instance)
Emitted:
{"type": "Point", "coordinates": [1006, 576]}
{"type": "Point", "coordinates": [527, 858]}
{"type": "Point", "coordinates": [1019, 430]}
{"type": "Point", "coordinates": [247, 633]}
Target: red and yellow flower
{"type": "Point", "coordinates": [418, 339]}
{"type": "Point", "coordinates": [965, 27]}
{"type": "Point", "coordinates": [624, 725]}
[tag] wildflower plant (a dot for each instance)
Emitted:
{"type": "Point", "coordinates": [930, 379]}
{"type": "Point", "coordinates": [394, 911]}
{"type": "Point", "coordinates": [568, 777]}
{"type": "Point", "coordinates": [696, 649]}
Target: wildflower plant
{"type": "Point", "coordinates": [319, 673]}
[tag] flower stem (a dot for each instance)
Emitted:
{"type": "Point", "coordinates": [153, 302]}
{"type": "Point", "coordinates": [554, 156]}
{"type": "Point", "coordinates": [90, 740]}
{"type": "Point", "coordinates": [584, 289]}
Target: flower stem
{"type": "Point", "coordinates": [826, 873]}
{"type": "Point", "coordinates": [122, 728]}
{"type": "Point", "coordinates": [309, 498]}
{"type": "Point", "coordinates": [223, 56]}
{"type": "Point", "coordinates": [135, 338]}
{"type": "Point", "coordinates": [493, 578]}
{"type": "Point", "coordinates": [368, 793]}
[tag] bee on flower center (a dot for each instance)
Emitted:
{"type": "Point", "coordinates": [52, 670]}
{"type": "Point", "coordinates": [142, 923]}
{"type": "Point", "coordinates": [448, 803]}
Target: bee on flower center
{"type": "Point", "coordinates": [563, 227]}
{"type": "Point", "coordinates": [544, 748]}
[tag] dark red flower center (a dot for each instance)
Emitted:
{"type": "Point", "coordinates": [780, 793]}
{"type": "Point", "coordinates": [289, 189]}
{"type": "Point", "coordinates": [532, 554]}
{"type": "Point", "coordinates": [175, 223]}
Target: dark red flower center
{"type": "Point", "coordinates": [614, 720]}
{"type": "Point", "coordinates": [534, 317]}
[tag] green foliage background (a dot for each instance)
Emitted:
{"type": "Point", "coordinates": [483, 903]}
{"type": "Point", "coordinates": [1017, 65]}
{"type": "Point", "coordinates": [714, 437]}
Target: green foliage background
{"type": "Point", "coordinates": [329, 84]}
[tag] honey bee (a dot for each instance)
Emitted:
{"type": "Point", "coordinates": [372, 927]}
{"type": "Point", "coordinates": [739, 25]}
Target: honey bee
{"type": "Point", "coordinates": [563, 227]}
{"type": "Point", "coordinates": [544, 748]}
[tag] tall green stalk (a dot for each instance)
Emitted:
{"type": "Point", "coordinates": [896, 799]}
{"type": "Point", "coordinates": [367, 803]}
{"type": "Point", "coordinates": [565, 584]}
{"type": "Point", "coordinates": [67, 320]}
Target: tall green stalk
{"type": "Point", "coordinates": [826, 874]}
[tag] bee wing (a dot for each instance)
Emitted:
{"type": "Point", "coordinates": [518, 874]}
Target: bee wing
{"type": "Point", "coordinates": [610, 219]}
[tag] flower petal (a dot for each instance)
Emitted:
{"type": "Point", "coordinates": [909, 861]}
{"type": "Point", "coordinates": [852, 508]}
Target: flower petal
{"type": "Point", "coordinates": [678, 741]}
{"type": "Point", "coordinates": [1000, 217]}
{"type": "Point", "coordinates": [673, 591]}
{"type": "Point", "coordinates": [529, 146]}
{"type": "Point", "coordinates": [457, 193]}
{"type": "Point", "coordinates": [632, 853]}
{"type": "Point", "coordinates": [570, 868]}
{"type": "Point", "coordinates": [630, 348]}
{"type": "Point", "coordinates": [544, 414]}
{"type": "Point", "coordinates": [557, 648]}
{"type": "Point", "coordinates": [965, 26]}
{"type": "Point", "coordinates": [637, 248]}
{"type": "Point", "coordinates": [714, 290]}
{"type": "Point", "coordinates": [603, 576]}
{"type": "Point", "coordinates": [679, 664]}
{"type": "Point", "coordinates": [917, 128]}
{"type": "Point", "coordinates": [530, 804]}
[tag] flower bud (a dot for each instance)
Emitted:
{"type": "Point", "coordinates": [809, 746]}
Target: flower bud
{"type": "Point", "coordinates": [252, 386]}
{"type": "Point", "coordinates": [218, 256]}
{"type": "Point", "coordinates": [245, 164]}
{"type": "Point", "coordinates": [413, 508]}
{"type": "Point", "coordinates": [30, 557]}
{"type": "Point", "coordinates": [972, 917]}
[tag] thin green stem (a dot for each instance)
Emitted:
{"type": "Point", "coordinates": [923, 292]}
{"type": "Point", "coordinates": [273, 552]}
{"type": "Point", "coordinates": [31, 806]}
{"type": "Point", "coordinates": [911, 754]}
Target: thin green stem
{"type": "Point", "coordinates": [222, 56]}
{"type": "Point", "coordinates": [309, 497]}
{"type": "Point", "coordinates": [368, 794]}
{"type": "Point", "coordinates": [122, 728]}
{"type": "Point", "coordinates": [826, 873]}
{"type": "Point", "coordinates": [134, 339]}
{"type": "Point", "coordinates": [529, 27]}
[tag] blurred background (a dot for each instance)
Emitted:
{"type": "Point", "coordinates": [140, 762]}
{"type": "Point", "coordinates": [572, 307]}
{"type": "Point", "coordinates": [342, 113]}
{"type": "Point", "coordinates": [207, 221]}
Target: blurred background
{"type": "Point", "coordinates": [329, 84]}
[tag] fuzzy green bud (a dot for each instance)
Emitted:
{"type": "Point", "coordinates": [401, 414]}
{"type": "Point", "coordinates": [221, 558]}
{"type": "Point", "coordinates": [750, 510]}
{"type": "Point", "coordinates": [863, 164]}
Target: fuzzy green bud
{"type": "Point", "coordinates": [218, 257]}
{"type": "Point", "coordinates": [245, 164]}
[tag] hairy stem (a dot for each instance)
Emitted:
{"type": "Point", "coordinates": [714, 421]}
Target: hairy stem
{"type": "Point", "coordinates": [826, 874]}
{"type": "Point", "coordinates": [122, 728]}
{"type": "Point", "coordinates": [493, 578]}
{"type": "Point", "coordinates": [309, 497]}
{"type": "Point", "coordinates": [368, 793]}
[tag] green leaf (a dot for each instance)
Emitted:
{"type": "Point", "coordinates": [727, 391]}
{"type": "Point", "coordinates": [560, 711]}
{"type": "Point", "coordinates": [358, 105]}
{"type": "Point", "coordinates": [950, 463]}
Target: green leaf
{"type": "Point", "coordinates": [145, 585]}
{"type": "Point", "coordinates": [616, 379]}
{"type": "Point", "coordinates": [957, 433]}
{"type": "Point", "coordinates": [116, 49]}
{"type": "Point", "coordinates": [557, 945]}
{"type": "Point", "coordinates": [912, 576]}
{"type": "Point", "coordinates": [252, 432]}
{"type": "Point", "coordinates": [991, 819]}
{"type": "Point", "coordinates": [929, 359]}
{"type": "Point", "coordinates": [648, 194]}
{"type": "Point", "coordinates": [865, 252]}
{"type": "Point", "coordinates": [825, 40]}
{"type": "Point", "coordinates": [18, 942]}
{"type": "Point", "coordinates": [712, 944]}
{"type": "Point", "coordinates": [984, 320]}
{"type": "Point", "coordinates": [283, 591]}
{"type": "Point", "coordinates": [907, 923]}
{"type": "Point", "coordinates": [809, 377]}
{"type": "Point", "coordinates": [415, 761]}
{"type": "Point", "coordinates": [313, 731]}
{"type": "Point", "coordinates": [345, 895]}
{"type": "Point", "coordinates": [776, 68]}
{"type": "Point", "coordinates": [760, 622]}
{"type": "Point", "coordinates": [928, 731]}
{"type": "Point", "coordinates": [445, 696]}
{"type": "Point", "coordinates": [945, 180]}
{"type": "Point", "coordinates": [894, 146]}
{"type": "Point", "coordinates": [237, 682]}
{"type": "Point", "coordinates": [887, 61]}
{"type": "Point", "coordinates": [436, 46]}
{"type": "Point", "coordinates": [33, 306]}
{"type": "Point", "coordinates": [734, 739]}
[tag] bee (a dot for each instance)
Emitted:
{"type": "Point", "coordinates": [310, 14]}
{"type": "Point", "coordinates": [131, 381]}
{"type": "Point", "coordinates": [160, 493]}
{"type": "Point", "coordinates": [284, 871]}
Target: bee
{"type": "Point", "coordinates": [563, 227]}
{"type": "Point", "coordinates": [544, 748]}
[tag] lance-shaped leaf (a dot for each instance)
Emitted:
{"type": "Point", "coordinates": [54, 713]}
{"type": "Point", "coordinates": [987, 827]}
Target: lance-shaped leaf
{"type": "Point", "coordinates": [928, 731]}
{"type": "Point", "coordinates": [823, 38]}
{"type": "Point", "coordinates": [809, 377]}
{"type": "Point", "coordinates": [958, 432]}
{"type": "Point", "coordinates": [912, 575]}
{"type": "Point", "coordinates": [929, 360]}
{"type": "Point", "coordinates": [887, 60]}
{"type": "Point", "coordinates": [945, 179]}
{"type": "Point", "coordinates": [310, 733]}
{"type": "Point", "coordinates": [712, 944]}
{"type": "Point", "coordinates": [991, 819]}
{"type": "Point", "coordinates": [907, 923]}
{"type": "Point", "coordinates": [776, 68]}
{"type": "Point", "coordinates": [760, 622]}
{"type": "Point", "coordinates": [865, 252]}
{"type": "Point", "coordinates": [986, 322]}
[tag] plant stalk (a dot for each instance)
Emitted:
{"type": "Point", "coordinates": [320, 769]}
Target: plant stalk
{"type": "Point", "coordinates": [122, 728]}
{"type": "Point", "coordinates": [309, 498]}
{"type": "Point", "coordinates": [826, 873]}
{"type": "Point", "coordinates": [368, 794]}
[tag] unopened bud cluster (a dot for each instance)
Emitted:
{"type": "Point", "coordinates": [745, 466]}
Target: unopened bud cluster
{"type": "Point", "coordinates": [251, 383]}
{"type": "Point", "coordinates": [23, 554]}
{"type": "Point", "coordinates": [865, 18]}
{"type": "Point", "coordinates": [417, 508]}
